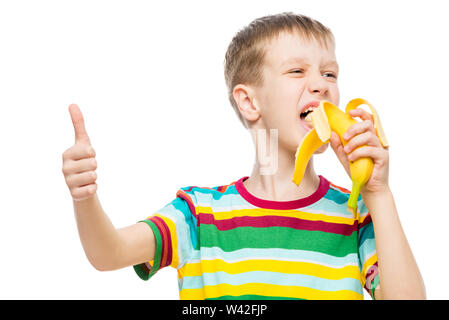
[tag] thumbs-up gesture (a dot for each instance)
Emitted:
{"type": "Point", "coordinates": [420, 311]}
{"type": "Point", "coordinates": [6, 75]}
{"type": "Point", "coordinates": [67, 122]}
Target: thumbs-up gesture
{"type": "Point", "coordinates": [79, 162]}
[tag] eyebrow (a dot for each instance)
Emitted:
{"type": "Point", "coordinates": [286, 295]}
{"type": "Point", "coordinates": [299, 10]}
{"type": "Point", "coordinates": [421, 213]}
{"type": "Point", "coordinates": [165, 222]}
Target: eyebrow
{"type": "Point", "coordinates": [332, 63]}
{"type": "Point", "coordinates": [295, 60]}
{"type": "Point", "coordinates": [304, 61]}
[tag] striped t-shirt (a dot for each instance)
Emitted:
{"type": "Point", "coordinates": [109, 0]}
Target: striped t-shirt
{"type": "Point", "coordinates": [228, 244]}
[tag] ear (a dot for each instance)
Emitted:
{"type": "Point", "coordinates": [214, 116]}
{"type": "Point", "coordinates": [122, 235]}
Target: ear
{"type": "Point", "coordinates": [245, 98]}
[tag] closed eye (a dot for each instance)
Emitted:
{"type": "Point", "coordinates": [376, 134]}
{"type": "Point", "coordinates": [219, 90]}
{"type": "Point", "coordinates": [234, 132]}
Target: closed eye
{"type": "Point", "coordinates": [333, 75]}
{"type": "Point", "coordinates": [330, 74]}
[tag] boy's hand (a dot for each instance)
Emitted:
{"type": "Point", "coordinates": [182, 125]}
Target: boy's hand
{"type": "Point", "coordinates": [359, 134]}
{"type": "Point", "coordinates": [79, 162]}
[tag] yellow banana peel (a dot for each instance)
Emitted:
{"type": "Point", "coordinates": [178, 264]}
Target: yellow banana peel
{"type": "Point", "coordinates": [325, 119]}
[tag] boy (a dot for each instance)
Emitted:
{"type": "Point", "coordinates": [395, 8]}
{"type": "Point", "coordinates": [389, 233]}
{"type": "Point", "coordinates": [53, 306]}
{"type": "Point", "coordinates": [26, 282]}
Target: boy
{"type": "Point", "coordinates": [263, 237]}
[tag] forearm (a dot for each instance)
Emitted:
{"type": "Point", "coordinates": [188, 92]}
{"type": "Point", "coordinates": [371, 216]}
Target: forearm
{"type": "Point", "coordinates": [106, 248]}
{"type": "Point", "coordinates": [99, 238]}
{"type": "Point", "coordinates": [399, 274]}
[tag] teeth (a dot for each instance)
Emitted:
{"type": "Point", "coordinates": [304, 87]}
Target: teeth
{"type": "Point", "coordinates": [308, 109]}
{"type": "Point", "coordinates": [309, 117]}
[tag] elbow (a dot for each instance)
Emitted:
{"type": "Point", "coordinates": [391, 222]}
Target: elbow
{"type": "Point", "coordinates": [422, 295]}
{"type": "Point", "coordinates": [405, 294]}
{"type": "Point", "coordinates": [101, 264]}
{"type": "Point", "coordinates": [105, 260]}
{"type": "Point", "coordinates": [102, 267]}
{"type": "Point", "coordinates": [415, 296]}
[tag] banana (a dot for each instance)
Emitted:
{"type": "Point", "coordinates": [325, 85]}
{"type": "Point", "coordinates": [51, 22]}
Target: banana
{"type": "Point", "coordinates": [308, 146]}
{"type": "Point", "coordinates": [324, 119]}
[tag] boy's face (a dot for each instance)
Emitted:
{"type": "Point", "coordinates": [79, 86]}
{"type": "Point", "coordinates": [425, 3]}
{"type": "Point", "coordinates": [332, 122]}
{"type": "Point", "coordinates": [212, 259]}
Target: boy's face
{"type": "Point", "coordinates": [296, 72]}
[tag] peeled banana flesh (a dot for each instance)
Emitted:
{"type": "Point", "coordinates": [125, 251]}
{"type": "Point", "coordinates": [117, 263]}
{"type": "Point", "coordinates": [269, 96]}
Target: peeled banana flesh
{"type": "Point", "coordinates": [327, 118]}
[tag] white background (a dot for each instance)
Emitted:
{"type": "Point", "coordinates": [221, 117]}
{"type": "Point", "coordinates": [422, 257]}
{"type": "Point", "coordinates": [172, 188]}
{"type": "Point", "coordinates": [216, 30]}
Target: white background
{"type": "Point", "coordinates": [148, 77]}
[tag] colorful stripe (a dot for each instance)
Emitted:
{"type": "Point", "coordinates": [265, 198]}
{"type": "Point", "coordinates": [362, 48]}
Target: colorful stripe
{"type": "Point", "coordinates": [273, 278]}
{"type": "Point", "coordinates": [252, 297]}
{"type": "Point", "coordinates": [166, 241]}
{"type": "Point", "coordinates": [364, 220]}
{"type": "Point", "coordinates": [258, 212]}
{"type": "Point", "coordinates": [147, 269]}
{"type": "Point", "coordinates": [279, 237]}
{"type": "Point", "coordinates": [278, 254]}
{"type": "Point", "coordinates": [283, 205]}
{"type": "Point", "coordinates": [181, 194]}
{"type": "Point", "coordinates": [340, 188]}
{"type": "Point", "coordinates": [272, 266]}
{"type": "Point", "coordinates": [227, 244]}
{"type": "Point", "coordinates": [277, 221]}
{"type": "Point", "coordinates": [170, 228]}
{"type": "Point", "coordinates": [208, 292]}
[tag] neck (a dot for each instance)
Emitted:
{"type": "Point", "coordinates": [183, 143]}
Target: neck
{"type": "Point", "coordinates": [271, 178]}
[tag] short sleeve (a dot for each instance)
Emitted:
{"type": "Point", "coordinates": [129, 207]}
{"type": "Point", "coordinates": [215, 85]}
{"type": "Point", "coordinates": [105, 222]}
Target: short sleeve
{"type": "Point", "coordinates": [175, 230]}
{"type": "Point", "coordinates": [367, 251]}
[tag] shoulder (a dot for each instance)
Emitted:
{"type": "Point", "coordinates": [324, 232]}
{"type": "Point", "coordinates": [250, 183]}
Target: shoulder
{"type": "Point", "coordinates": [196, 195]}
{"type": "Point", "coordinates": [194, 192]}
{"type": "Point", "coordinates": [337, 193]}
{"type": "Point", "coordinates": [340, 195]}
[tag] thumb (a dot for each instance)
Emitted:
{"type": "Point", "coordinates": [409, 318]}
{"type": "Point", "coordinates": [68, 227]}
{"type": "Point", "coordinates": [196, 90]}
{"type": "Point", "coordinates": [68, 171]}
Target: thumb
{"type": "Point", "coordinates": [337, 146]}
{"type": "Point", "coordinates": [78, 124]}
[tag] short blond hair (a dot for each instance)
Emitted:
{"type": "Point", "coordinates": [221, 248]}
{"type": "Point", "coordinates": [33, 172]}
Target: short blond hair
{"type": "Point", "coordinates": [245, 54]}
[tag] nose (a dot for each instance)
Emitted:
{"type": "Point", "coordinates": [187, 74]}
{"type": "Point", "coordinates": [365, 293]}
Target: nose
{"type": "Point", "coordinates": [318, 85]}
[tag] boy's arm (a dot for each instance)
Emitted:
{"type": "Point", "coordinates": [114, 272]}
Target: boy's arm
{"type": "Point", "coordinates": [106, 248]}
{"type": "Point", "coordinates": [399, 274]}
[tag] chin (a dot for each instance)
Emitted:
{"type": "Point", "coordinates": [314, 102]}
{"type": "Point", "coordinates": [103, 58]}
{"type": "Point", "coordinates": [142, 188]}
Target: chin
{"type": "Point", "coordinates": [321, 149]}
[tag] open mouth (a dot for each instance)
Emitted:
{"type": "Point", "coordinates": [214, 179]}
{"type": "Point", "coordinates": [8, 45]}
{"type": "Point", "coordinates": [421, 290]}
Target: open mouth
{"type": "Point", "coordinates": [304, 114]}
{"type": "Point", "coordinates": [306, 120]}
